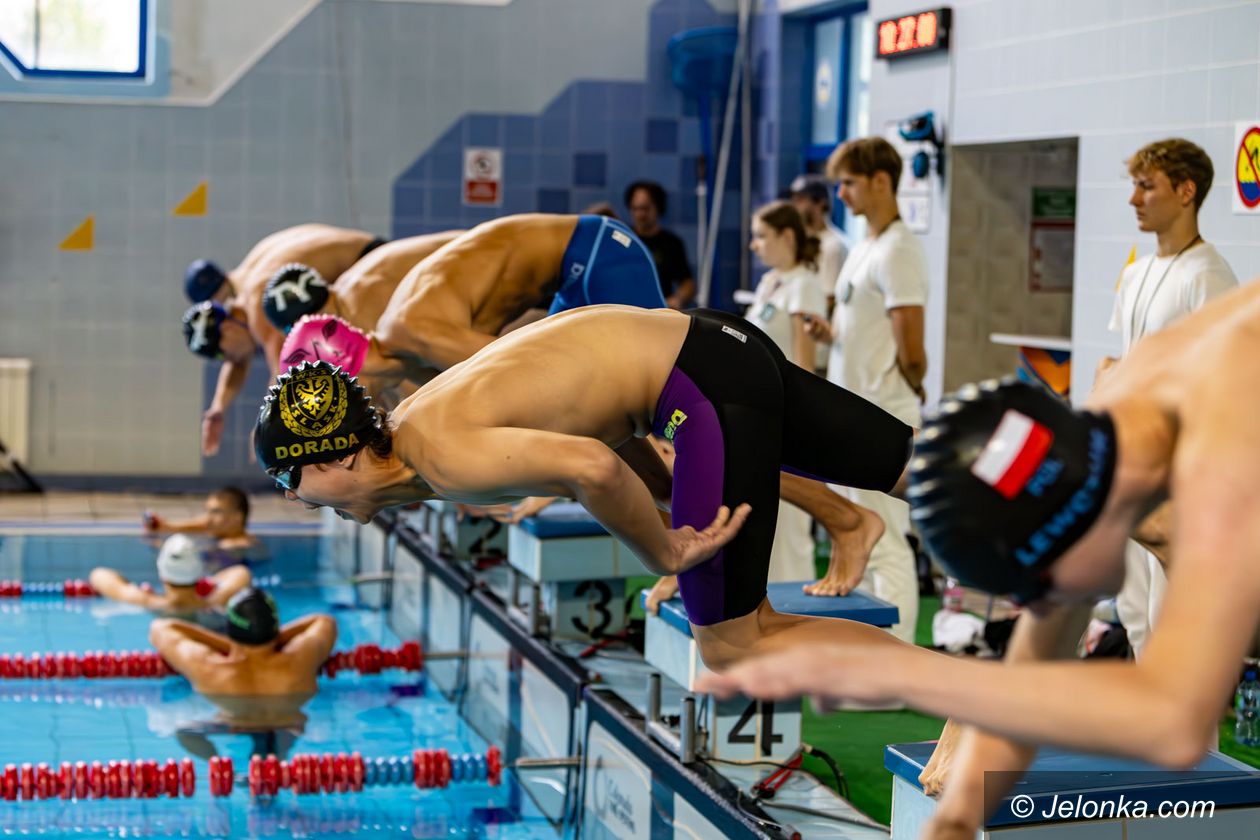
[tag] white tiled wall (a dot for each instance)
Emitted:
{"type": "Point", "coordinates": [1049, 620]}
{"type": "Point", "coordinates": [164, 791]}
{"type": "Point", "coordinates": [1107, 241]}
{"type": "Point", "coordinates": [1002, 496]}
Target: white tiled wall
{"type": "Point", "coordinates": [317, 130]}
{"type": "Point", "coordinates": [1115, 73]}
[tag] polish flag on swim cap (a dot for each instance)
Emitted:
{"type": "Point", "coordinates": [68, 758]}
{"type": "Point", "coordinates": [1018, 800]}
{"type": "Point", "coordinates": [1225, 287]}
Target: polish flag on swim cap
{"type": "Point", "coordinates": [1013, 454]}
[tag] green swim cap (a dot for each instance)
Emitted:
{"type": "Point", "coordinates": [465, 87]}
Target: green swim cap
{"type": "Point", "coordinates": [314, 414]}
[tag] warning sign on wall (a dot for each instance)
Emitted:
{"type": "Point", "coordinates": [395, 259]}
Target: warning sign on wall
{"type": "Point", "coordinates": [1246, 167]}
{"type": "Point", "coordinates": [483, 177]}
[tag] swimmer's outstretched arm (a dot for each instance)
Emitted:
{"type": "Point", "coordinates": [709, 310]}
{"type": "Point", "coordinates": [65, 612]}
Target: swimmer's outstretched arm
{"type": "Point", "coordinates": [227, 583]}
{"type": "Point", "coordinates": [108, 583]}
{"type": "Point", "coordinates": [231, 380]}
{"type": "Point", "coordinates": [486, 464]}
{"type": "Point", "coordinates": [969, 796]}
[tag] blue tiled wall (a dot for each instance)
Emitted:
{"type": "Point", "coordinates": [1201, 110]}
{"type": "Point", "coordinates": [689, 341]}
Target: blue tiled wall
{"type": "Point", "coordinates": [584, 147]}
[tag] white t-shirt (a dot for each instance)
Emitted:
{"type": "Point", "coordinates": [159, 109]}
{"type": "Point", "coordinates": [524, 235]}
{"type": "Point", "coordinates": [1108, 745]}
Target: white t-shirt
{"type": "Point", "coordinates": [881, 273]}
{"type": "Point", "coordinates": [779, 296]}
{"type": "Point", "coordinates": [831, 259]}
{"type": "Point", "coordinates": [1156, 291]}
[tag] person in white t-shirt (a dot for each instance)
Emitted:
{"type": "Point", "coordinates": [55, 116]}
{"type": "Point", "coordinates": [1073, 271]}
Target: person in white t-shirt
{"type": "Point", "coordinates": [876, 335]}
{"type": "Point", "coordinates": [1171, 178]}
{"type": "Point", "coordinates": [811, 195]}
{"type": "Point", "coordinates": [787, 296]}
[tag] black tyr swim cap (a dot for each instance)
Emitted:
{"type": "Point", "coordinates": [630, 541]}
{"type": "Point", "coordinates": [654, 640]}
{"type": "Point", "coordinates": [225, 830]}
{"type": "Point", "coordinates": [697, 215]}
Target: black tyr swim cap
{"type": "Point", "coordinates": [252, 617]}
{"type": "Point", "coordinates": [1005, 478]}
{"type": "Point", "coordinates": [293, 291]}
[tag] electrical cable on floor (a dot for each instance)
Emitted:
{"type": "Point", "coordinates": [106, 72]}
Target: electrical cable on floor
{"type": "Point", "coordinates": [865, 822]}
{"type": "Point", "coordinates": [842, 784]}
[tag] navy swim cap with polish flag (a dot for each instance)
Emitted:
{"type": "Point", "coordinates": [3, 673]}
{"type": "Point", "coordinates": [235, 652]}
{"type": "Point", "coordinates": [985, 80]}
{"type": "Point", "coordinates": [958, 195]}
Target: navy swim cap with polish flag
{"type": "Point", "coordinates": [1005, 478]}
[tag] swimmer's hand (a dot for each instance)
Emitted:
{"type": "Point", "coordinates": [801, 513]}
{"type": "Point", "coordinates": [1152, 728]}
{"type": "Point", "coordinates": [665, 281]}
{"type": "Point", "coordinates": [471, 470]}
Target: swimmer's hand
{"type": "Point", "coordinates": [212, 432]}
{"type": "Point", "coordinates": [525, 508]}
{"type": "Point", "coordinates": [664, 590]}
{"type": "Point", "coordinates": [828, 672]}
{"type": "Point", "coordinates": [689, 547]}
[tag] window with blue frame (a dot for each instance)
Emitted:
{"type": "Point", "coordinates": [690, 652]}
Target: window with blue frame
{"type": "Point", "coordinates": [106, 39]}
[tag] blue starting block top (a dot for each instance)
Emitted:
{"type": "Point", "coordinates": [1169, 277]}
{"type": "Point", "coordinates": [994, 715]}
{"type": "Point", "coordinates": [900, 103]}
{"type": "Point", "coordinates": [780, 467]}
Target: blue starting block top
{"type": "Point", "coordinates": [562, 519]}
{"type": "Point", "coordinates": [1218, 778]}
{"type": "Point", "coordinates": [788, 598]}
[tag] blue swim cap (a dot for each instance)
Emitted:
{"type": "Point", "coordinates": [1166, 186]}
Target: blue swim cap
{"type": "Point", "coordinates": [202, 279]}
{"type": "Point", "coordinates": [1005, 478]}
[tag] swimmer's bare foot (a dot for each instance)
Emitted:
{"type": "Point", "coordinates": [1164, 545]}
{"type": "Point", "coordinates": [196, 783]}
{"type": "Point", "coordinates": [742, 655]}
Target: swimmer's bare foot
{"type": "Point", "coordinates": [850, 551]}
{"type": "Point", "coordinates": [937, 770]}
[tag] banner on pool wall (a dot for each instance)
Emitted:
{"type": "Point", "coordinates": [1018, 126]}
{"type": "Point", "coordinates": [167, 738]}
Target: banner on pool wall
{"type": "Point", "coordinates": [1245, 161]}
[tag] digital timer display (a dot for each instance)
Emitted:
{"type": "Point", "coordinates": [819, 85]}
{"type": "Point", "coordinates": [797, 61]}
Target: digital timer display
{"type": "Point", "coordinates": [911, 34]}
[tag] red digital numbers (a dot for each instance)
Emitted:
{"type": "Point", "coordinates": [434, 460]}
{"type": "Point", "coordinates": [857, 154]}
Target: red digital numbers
{"type": "Point", "coordinates": [905, 33]}
{"type": "Point", "coordinates": [926, 35]}
{"type": "Point", "coordinates": [911, 33]}
{"type": "Point", "coordinates": [888, 37]}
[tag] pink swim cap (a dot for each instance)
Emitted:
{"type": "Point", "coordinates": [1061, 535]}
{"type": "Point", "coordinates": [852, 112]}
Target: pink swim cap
{"type": "Point", "coordinates": [327, 338]}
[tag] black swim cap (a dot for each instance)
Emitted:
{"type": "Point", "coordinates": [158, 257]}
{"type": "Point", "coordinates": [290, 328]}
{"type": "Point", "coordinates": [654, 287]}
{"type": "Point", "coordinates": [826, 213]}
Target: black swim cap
{"type": "Point", "coordinates": [1005, 478]}
{"type": "Point", "coordinates": [314, 414]}
{"type": "Point", "coordinates": [252, 617]}
{"type": "Point", "coordinates": [202, 280]}
{"type": "Point", "coordinates": [202, 329]}
{"type": "Point", "coordinates": [293, 291]}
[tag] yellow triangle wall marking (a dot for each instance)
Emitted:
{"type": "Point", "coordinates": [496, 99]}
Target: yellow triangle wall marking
{"type": "Point", "coordinates": [197, 202]}
{"type": "Point", "coordinates": [82, 239]}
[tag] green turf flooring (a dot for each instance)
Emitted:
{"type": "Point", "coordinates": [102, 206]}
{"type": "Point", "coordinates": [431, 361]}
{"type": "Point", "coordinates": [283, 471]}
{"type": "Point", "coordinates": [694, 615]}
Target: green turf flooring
{"type": "Point", "coordinates": [856, 740]}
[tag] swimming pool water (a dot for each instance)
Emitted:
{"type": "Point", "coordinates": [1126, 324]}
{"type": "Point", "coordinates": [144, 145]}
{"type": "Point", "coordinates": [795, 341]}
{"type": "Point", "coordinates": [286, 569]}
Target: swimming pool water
{"type": "Point", "coordinates": [86, 720]}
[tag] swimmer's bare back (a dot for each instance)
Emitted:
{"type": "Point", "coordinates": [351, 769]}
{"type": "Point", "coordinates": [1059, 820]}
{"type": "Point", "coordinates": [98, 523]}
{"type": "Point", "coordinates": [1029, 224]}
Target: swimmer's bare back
{"type": "Point", "coordinates": [362, 292]}
{"type": "Point", "coordinates": [594, 372]}
{"type": "Point", "coordinates": [480, 282]}
{"type": "Point", "coordinates": [327, 249]}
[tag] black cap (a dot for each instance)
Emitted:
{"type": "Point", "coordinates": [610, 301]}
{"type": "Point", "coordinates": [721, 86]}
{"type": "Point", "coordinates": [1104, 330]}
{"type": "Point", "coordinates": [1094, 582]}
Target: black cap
{"type": "Point", "coordinates": [203, 329]}
{"type": "Point", "coordinates": [294, 291]}
{"type": "Point", "coordinates": [252, 617]}
{"type": "Point", "coordinates": [314, 414]}
{"type": "Point", "coordinates": [1005, 478]}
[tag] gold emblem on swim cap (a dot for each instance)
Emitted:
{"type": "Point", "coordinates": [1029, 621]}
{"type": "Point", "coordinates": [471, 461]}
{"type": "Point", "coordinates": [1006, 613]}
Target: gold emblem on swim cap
{"type": "Point", "coordinates": [313, 403]}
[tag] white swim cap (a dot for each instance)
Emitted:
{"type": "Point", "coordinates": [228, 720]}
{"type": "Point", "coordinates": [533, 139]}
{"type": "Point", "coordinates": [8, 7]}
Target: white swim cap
{"type": "Point", "coordinates": [179, 562]}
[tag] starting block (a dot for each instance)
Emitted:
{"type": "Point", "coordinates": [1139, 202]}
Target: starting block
{"type": "Point", "coordinates": [444, 534]}
{"type": "Point", "coordinates": [575, 570]}
{"type": "Point", "coordinates": [739, 729]}
{"type": "Point", "coordinates": [1069, 796]}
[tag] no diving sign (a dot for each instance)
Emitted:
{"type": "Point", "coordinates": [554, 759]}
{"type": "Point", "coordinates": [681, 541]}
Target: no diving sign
{"type": "Point", "coordinates": [483, 177]}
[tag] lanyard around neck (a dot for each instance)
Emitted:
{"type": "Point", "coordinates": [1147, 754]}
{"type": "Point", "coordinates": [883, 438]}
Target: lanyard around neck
{"type": "Point", "coordinates": [1134, 320]}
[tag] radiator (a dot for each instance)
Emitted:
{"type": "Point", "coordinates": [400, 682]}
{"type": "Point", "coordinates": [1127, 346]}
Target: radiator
{"type": "Point", "coordinates": [15, 406]}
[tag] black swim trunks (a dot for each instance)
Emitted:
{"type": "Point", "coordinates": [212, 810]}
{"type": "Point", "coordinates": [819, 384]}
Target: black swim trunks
{"type": "Point", "coordinates": [738, 412]}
